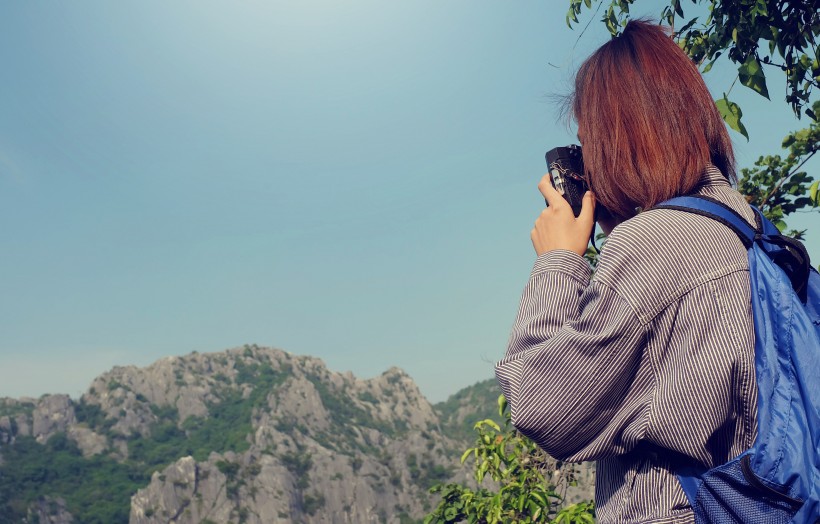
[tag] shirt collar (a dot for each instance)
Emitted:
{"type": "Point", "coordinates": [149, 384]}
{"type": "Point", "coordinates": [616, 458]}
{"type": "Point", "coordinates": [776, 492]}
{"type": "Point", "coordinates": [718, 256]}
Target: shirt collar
{"type": "Point", "coordinates": [713, 177]}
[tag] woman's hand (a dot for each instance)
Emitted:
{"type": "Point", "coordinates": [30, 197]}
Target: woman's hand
{"type": "Point", "coordinates": [557, 227]}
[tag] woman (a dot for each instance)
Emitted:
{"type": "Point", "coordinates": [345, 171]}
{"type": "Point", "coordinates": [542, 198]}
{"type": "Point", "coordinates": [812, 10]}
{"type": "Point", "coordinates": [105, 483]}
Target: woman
{"type": "Point", "coordinates": [648, 366]}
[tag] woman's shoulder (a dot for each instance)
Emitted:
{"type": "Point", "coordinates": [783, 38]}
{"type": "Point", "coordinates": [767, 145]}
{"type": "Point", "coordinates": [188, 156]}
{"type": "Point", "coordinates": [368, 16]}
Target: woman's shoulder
{"type": "Point", "coordinates": [661, 254]}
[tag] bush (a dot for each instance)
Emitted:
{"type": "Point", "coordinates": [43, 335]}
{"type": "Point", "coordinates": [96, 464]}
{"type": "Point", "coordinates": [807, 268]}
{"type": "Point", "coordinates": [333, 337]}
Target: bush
{"type": "Point", "coordinates": [524, 474]}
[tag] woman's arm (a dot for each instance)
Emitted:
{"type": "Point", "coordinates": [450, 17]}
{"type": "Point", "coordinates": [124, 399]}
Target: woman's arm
{"type": "Point", "coordinates": [573, 372]}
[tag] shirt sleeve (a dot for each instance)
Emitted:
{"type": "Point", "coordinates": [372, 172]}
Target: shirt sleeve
{"type": "Point", "coordinates": [574, 373]}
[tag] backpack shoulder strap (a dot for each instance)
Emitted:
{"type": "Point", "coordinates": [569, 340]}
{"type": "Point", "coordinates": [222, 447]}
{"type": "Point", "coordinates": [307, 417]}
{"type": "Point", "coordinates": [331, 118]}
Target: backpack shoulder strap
{"type": "Point", "coordinates": [789, 254]}
{"type": "Point", "coordinates": [715, 210]}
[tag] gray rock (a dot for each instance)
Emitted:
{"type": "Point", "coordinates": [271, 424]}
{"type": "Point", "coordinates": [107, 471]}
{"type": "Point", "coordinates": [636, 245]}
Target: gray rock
{"type": "Point", "coordinates": [7, 430]}
{"type": "Point", "coordinates": [48, 510]}
{"type": "Point", "coordinates": [23, 423]}
{"type": "Point", "coordinates": [89, 442]}
{"type": "Point", "coordinates": [53, 414]}
{"type": "Point", "coordinates": [325, 447]}
{"type": "Point", "coordinates": [15, 418]}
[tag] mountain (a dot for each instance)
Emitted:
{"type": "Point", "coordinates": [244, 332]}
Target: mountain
{"type": "Point", "coordinates": [249, 435]}
{"type": "Point", "coordinates": [459, 413]}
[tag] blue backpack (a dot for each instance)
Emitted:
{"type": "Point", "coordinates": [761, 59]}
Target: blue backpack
{"type": "Point", "coordinates": [777, 480]}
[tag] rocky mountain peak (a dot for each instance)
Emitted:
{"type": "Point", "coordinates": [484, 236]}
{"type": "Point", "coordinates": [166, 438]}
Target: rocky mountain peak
{"type": "Point", "coordinates": [250, 434]}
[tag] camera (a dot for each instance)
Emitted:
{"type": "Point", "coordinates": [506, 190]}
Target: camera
{"type": "Point", "coordinates": [566, 168]}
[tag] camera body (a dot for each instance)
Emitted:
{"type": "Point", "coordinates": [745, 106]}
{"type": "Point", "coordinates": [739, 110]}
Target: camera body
{"type": "Point", "coordinates": [566, 168]}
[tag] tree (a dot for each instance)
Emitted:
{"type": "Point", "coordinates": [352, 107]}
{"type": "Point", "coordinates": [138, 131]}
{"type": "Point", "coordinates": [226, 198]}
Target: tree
{"type": "Point", "coordinates": [778, 186]}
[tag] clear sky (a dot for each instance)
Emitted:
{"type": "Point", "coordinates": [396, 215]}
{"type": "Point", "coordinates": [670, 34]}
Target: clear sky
{"type": "Point", "coordinates": [354, 180]}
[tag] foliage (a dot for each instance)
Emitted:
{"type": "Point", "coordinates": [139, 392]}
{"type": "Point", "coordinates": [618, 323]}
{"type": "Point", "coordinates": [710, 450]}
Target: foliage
{"type": "Point", "coordinates": [459, 412]}
{"type": "Point", "coordinates": [298, 463]}
{"type": "Point", "coordinates": [343, 412]}
{"type": "Point", "coordinates": [97, 490]}
{"type": "Point", "coordinates": [13, 408]}
{"type": "Point", "coordinates": [780, 34]}
{"type": "Point", "coordinates": [425, 473]}
{"type": "Point", "coordinates": [226, 427]}
{"type": "Point", "coordinates": [312, 503]}
{"type": "Point", "coordinates": [531, 485]}
{"type": "Point", "coordinates": [777, 186]}
{"type": "Point", "coordinates": [592, 254]}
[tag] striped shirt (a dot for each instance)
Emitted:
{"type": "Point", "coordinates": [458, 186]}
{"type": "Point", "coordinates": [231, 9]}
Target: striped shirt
{"type": "Point", "coordinates": [645, 366]}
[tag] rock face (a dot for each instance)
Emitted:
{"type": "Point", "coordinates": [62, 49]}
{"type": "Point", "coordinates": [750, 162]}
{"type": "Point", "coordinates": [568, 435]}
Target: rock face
{"type": "Point", "coordinates": [249, 435]}
{"type": "Point", "coordinates": [41, 418]}
{"type": "Point", "coordinates": [47, 510]}
{"type": "Point", "coordinates": [321, 446]}
{"type": "Point", "coordinates": [15, 418]}
{"type": "Point", "coordinates": [53, 414]}
{"type": "Point", "coordinates": [252, 435]}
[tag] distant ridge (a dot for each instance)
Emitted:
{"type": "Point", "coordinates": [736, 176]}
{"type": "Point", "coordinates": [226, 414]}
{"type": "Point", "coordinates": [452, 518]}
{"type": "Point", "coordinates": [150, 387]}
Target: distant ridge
{"type": "Point", "coordinates": [251, 434]}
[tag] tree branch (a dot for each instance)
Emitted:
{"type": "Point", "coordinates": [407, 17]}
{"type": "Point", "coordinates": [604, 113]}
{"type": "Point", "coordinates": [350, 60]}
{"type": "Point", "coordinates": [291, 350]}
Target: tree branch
{"type": "Point", "coordinates": [780, 182]}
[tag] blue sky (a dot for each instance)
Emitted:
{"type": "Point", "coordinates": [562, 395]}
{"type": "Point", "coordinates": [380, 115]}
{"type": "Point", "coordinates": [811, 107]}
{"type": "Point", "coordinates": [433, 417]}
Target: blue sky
{"type": "Point", "coordinates": [351, 180]}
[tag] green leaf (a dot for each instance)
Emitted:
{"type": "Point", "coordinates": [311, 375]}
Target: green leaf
{"type": "Point", "coordinates": [571, 17]}
{"type": "Point", "coordinates": [687, 26]}
{"type": "Point", "coordinates": [751, 75]}
{"type": "Point", "coordinates": [487, 422]}
{"type": "Point", "coordinates": [588, 3]}
{"type": "Point", "coordinates": [732, 115]}
{"type": "Point", "coordinates": [482, 470]}
{"type": "Point", "coordinates": [611, 21]}
{"type": "Point", "coordinates": [675, 6]}
{"type": "Point", "coordinates": [708, 67]}
{"type": "Point", "coordinates": [502, 405]}
{"type": "Point", "coordinates": [668, 15]}
{"type": "Point", "coordinates": [789, 140]}
{"type": "Point", "coordinates": [814, 193]}
{"type": "Point", "coordinates": [539, 498]}
{"type": "Point", "coordinates": [465, 455]}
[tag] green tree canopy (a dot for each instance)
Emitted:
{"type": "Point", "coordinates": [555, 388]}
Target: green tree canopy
{"type": "Point", "coordinates": [778, 34]}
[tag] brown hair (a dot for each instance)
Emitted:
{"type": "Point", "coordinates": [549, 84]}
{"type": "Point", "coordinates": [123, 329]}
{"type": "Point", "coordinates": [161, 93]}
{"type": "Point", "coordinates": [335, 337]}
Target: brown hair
{"type": "Point", "coordinates": [648, 123]}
